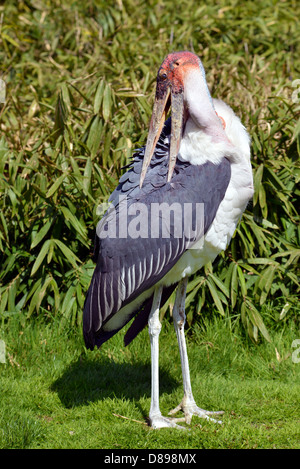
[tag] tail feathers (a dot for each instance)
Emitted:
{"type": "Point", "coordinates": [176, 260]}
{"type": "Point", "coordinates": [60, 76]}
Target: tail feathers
{"type": "Point", "coordinates": [88, 330]}
{"type": "Point", "coordinates": [96, 338]}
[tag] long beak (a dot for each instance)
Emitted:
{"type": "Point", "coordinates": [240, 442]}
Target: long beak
{"type": "Point", "coordinates": [159, 114]}
{"type": "Point", "coordinates": [177, 112]}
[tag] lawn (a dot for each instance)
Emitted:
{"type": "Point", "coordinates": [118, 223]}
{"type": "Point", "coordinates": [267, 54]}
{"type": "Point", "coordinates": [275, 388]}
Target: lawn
{"type": "Point", "coordinates": [55, 394]}
{"type": "Point", "coordinates": [77, 83]}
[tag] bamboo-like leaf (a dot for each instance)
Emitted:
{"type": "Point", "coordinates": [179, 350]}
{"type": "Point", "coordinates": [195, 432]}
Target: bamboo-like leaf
{"type": "Point", "coordinates": [228, 276]}
{"type": "Point", "coordinates": [50, 253]}
{"type": "Point", "coordinates": [99, 97]}
{"type": "Point", "coordinates": [107, 146]}
{"type": "Point", "coordinates": [107, 103]}
{"type": "Point", "coordinates": [76, 173]}
{"type": "Point", "coordinates": [56, 185]}
{"type": "Point", "coordinates": [260, 238]}
{"type": "Point", "coordinates": [265, 282]}
{"type": "Point", "coordinates": [260, 261]}
{"type": "Point", "coordinates": [74, 221]}
{"type": "Point", "coordinates": [242, 281]}
{"type": "Point", "coordinates": [284, 311]}
{"type": "Point", "coordinates": [70, 256]}
{"type": "Point", "coordinates": [256, 320]}
{"type": "Point", "coordinates": [192, 295]}
{"type": "Point", "coordinates": [244, 317]}
{"type": "Point", "coordinates": [34, 301]}
{"type": "Point", "coordinates": [38, 190]}
{"type": "Point", "coordinates": [12, 296]}
{"type": "Point", "coordinates": [95, 134]}
{"type": "Point", "coordinates": [41, 234]}
{"type": "Point", "coordinates": [220, 284]}
{"type": "Point", "coordinates": [257, 182]}
{"type": "Point", "coordinates": [56, 294]}
{"type": "Point", "coordinates": [41, 256]}
{"type": "Point", "coordinates": [65, 308]}
{"type": "Point", "coordinates": [66, 98]}
{"type": "Point", "coordinates": [262, 200]}
{"type": "Point", "coordinates": [3, 301]}
{"type": "Point", "coordinates": [214, 294]}
{"type": "Point", "coordinates": [4, 224]}
{"type": "Point", "coordinates": [42, 291]}
{"type": "Point", "coordinates": [234, 285]}
{"type": "Point", "coordinates": [8, 38]}
{"type": "Point", "coordinates": [87, 175]}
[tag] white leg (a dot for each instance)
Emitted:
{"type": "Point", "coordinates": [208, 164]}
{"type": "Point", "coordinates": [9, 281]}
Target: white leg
{"type": "Point", "coordinates": [155, 416]}
{"type": "Point", "coordinates": [188, 404]}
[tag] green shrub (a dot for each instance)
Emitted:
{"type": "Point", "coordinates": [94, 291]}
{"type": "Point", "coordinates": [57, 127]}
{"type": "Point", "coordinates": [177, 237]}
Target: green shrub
{"type": "Point", "coordinates": [79, 90]}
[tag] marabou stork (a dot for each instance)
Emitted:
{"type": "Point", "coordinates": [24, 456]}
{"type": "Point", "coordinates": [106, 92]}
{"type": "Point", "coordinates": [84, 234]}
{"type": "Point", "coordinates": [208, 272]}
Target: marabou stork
{"type": "Point", "coordinates": [199, 157]}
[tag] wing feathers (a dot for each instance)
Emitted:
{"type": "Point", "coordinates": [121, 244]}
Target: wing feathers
{"type": "Point", "coordinates": [126, 267]}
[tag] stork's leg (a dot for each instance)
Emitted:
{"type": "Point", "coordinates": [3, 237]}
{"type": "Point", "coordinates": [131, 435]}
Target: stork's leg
{"type": "Point", "coordinates": [188, 404]}
{"type": "Point", "coordinates": [155, 416]}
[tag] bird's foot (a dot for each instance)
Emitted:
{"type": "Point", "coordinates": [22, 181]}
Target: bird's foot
{"type": "Point", "coordinates": [190, 408]}
{"type": "Point", "coordinates": [159, 421]}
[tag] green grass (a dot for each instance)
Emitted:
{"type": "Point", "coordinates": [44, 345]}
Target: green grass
{"type": "Point", "coordinates": [55, 394]}
{"type": "Point", "coordinates": [79, 80]}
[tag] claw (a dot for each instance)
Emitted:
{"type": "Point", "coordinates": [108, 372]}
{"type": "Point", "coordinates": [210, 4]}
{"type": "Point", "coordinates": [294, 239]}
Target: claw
{"type": "Point", "coordinates": [158, 421]}
{"type": "Point", "coordinates": [191, 409]}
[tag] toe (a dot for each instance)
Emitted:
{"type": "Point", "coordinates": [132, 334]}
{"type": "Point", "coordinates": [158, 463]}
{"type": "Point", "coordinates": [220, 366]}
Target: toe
{"type": "Point", "coordinates": [160, 421]}
{"type": "Point", "coordinates": [191, 409]}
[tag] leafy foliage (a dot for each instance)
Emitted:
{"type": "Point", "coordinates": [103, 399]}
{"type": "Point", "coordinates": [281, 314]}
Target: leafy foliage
{"type": "Point", "coordinates": [79, 87]}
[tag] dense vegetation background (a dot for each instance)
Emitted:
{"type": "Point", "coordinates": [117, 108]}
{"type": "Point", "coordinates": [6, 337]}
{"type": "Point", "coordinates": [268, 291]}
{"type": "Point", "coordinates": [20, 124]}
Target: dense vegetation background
{"type": "Point", "coordinates": [79, 89]}
{"type": "Point", "coordinates": [79, 85]}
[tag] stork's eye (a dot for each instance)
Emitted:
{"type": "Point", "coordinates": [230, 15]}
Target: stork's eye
{"type": "Point", "coordinates": [163, 75]}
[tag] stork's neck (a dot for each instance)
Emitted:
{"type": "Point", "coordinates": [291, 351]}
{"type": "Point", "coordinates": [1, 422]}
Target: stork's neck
{"type": "Point", "coordinates": [198, 146]}
{"type": "Point", "coordinates": [201, 108]}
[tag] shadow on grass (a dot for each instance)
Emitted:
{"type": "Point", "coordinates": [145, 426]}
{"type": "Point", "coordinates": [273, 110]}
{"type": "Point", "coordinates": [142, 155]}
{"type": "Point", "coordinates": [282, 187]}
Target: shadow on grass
{"type": "Point", "coordinates": [89, 381]}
